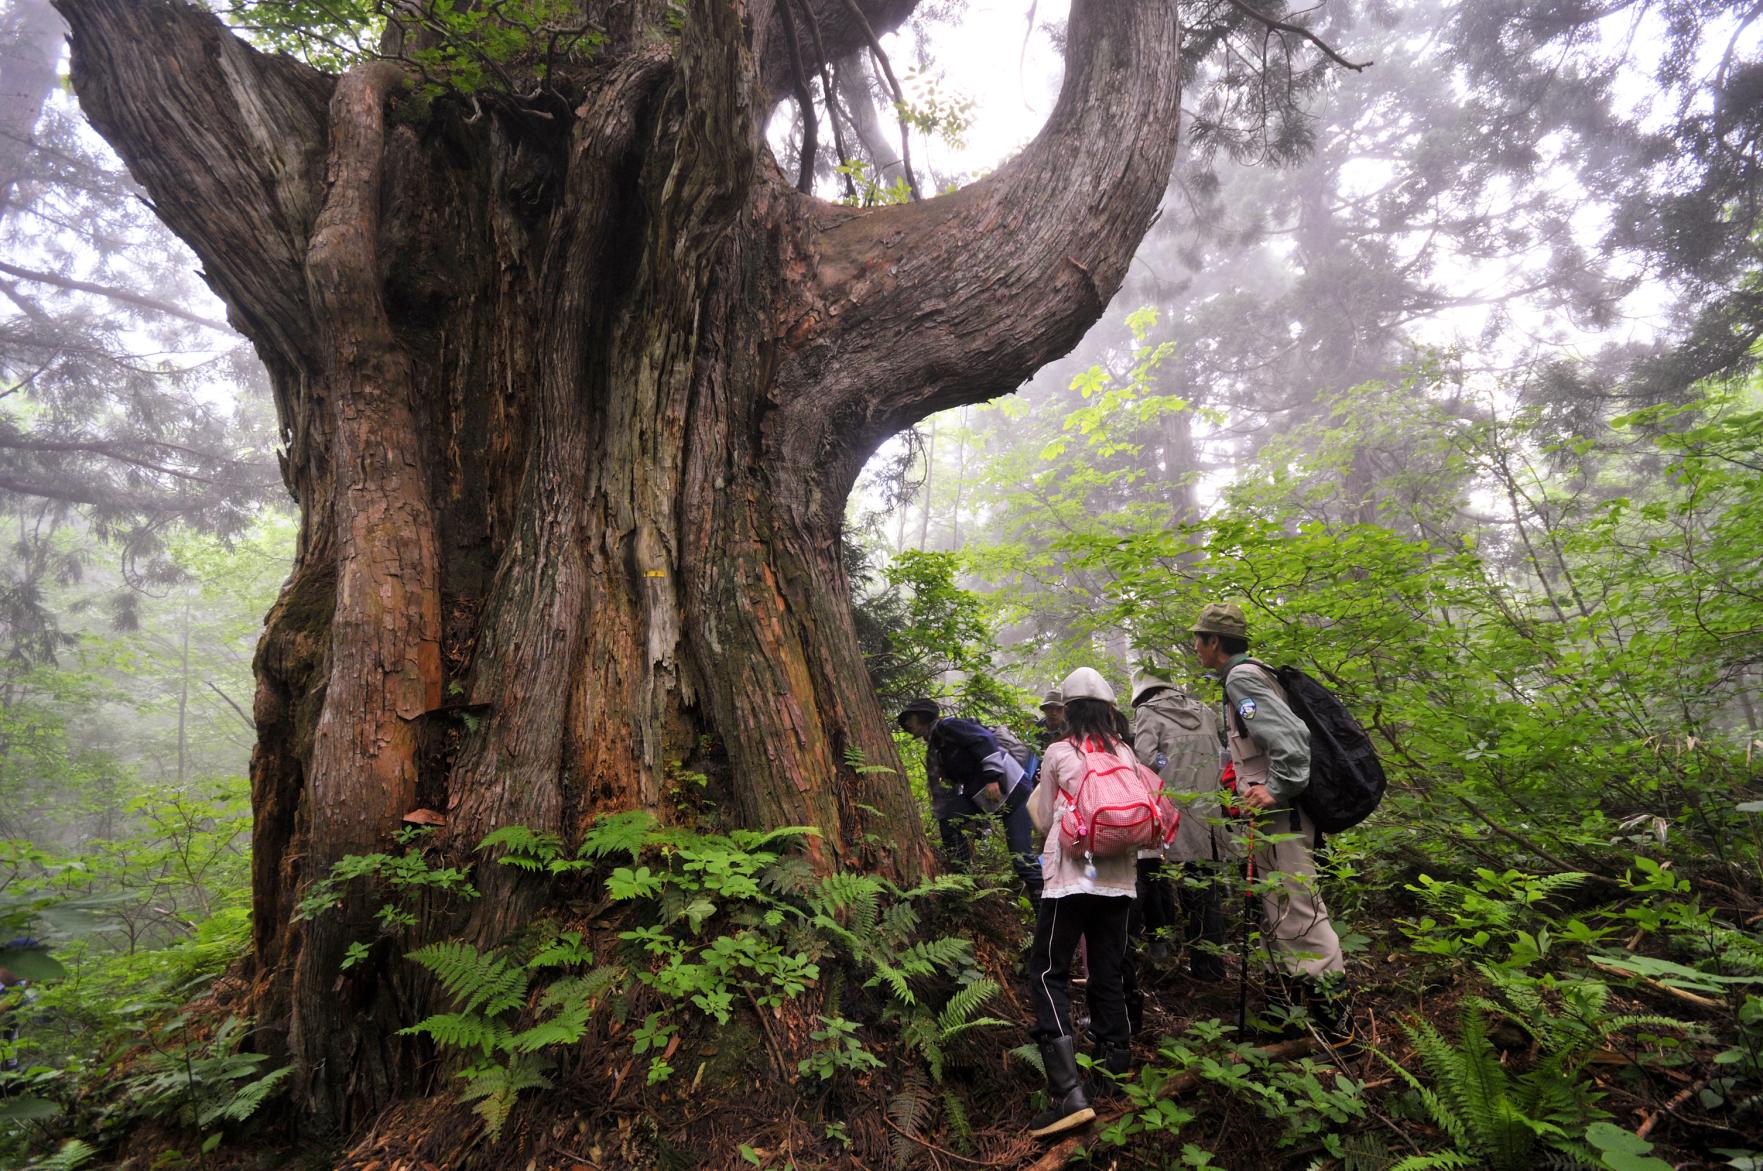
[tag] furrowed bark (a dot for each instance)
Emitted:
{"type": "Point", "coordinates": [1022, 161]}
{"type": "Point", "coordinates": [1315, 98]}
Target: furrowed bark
{"type": "Point", "coordinates": [574, 398]}
{"type": "Point", "coordinates": [385, 662]}
{"type": "Point", "coordinates": [510, 771]}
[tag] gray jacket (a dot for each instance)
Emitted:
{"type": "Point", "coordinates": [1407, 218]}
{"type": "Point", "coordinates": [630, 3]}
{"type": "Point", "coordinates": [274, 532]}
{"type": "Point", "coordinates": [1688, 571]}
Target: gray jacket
{"type": "Point", "coordinates": [1177, 735]}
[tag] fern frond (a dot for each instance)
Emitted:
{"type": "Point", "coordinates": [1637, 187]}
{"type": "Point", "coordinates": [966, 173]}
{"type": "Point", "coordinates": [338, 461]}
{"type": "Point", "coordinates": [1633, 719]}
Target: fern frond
{"type": "Point", "coordinates": [964, 1003]}
{"type": "Point", "coordinates": [956, 1113]}
{"type": "Point", "coordinates": [1030, 1055]}
{"type": "Point", "coordinates": [752, 840]}
{"type": "Point", "coordinates": [947, 953]}
{"type": "Point", "coordinates": [788, 877]}
{"type": "Point", "coordinates": [978, 1022]}
{"type": "Point", "coordinates": [473, 979]}
{"type": "Point", "coordinates": [909, 1110]}
{"type": "Point", "coordinates": [522, 847]}
{"type": "Point", "coordinates": [941, 884]}
{"type": "Point", "coordinates": [1476, 1083]}
{"type": "Point", "coordinates": [585, 988]}
{"type": "Point", "coordinates": [628, 833]}
{"type": "Point", "coordinates": [1444, 1159]}
{"type": "Point", "coordinates": [453, 1030]}
{"type": "Point", "coordinates": [1434, 1052]}
{"type": "Point", "coordinates": [495, 1089]}
{"type": "Point", "coordinates": [895, 979]}
{"type": "Point", "coordinates": [858, 895]}
{"type": "Point", "coordinates": [245, 1101]}
{"type": "Point", "coordinates": [899, 923]}
{"type": "Point", "coordinates": [919, 1033]}
{"type": "Point", "coordinates": [564, 951]}
{"type": "Point", "coordinates": [1364, 1152]}
{"type": "Point", "coordinates": [1549, 885]}
{"type": "Point", "coordinates": [70, 1156]}
{"type": "Point", "coordinates": [566, 1028]}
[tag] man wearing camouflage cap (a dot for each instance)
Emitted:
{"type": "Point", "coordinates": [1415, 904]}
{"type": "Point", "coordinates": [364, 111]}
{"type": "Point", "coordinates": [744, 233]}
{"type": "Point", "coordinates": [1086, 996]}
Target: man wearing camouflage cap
{"type": "Point", "coordinates": [1270, 747]}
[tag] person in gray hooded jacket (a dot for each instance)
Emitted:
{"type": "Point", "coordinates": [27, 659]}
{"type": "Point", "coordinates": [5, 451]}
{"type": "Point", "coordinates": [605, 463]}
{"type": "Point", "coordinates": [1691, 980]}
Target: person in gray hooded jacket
{"type": "Point", "coordinates": [1176, 734]}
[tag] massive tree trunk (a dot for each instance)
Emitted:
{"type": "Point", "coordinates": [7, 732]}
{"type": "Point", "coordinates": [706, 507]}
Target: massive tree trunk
{"type": "Point", "coordinates": [574, 389]}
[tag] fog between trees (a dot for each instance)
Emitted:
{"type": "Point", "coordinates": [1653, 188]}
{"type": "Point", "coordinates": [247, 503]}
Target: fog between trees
{"type": "Point", "coordinates": [1444, 365]}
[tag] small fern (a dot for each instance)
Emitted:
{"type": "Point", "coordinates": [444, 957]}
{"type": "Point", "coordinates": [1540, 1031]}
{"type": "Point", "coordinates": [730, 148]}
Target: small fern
{"type": "Point", "coordinates": [247, 1098]}
{"type": "Point", "coordinates": [1447, 1160]}
{"type": "Point", "coordinates": [956, 1113]}
{"type": "Point", "coordinates": [909, 1111]}
{"type": "Point", "coordinates": [1029, 1055]}
{"type": "Point", "coordinates": [621, 833]}
{"type": "Point", "coordinates": [474, 980]}
{"type": "Point", "coordinates": [455, 1030]}
{"type": "Point", "coordinates": [495, 1088]}
{"type": "Point", "coordinates": [484, 987]}
{"type": "Point", "coordinates": [858, 895]}
{"type": "Point", "coordinates": [70, 1156]}
{"type": "Point", "coordinates": [753, 840]}
{"type": "Point", "coordinates": [967, 1000]}
{"type": "Point", "coordinates": [527, 849]}
{"type": "Point", "coordinates": [1489, 1114]}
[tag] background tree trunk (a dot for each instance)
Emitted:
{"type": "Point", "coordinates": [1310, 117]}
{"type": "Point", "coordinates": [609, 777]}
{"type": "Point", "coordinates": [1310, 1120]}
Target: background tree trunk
{"type": "Point", "coordinates": [573, 394]}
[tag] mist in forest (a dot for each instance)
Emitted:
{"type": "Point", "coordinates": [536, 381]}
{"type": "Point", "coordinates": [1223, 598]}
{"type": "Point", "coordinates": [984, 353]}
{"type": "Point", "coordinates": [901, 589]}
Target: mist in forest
{"type": "Point", "coordinates": [1442, 348]}
{"type": "Point", "coordinates": [1537, 220]}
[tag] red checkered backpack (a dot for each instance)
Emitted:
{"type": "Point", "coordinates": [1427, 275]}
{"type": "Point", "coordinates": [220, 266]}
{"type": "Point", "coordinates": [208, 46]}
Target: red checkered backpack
{"type": "Point", "coordinates": [1118, 807]}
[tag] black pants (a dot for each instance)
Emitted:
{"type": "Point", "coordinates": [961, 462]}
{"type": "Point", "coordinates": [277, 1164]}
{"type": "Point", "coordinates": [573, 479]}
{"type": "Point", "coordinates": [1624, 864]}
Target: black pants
{"type": "Point", "coordinates": [1199, 893]}
{"type": "Point", "coordinates": [962, 820]}
{"type": "Point", "coordinates": [1154, 908]}
{"type": "Point", "coordinates": [1099, 920]}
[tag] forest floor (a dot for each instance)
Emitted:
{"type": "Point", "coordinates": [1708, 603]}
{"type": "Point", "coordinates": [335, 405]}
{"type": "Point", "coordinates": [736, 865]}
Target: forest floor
{"type": "Point", "coordinates": [1273, 1103]}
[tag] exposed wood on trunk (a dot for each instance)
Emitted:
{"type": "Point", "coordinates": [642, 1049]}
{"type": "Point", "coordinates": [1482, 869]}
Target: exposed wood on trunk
{"type": "Point", "coordinates": [385, 661]}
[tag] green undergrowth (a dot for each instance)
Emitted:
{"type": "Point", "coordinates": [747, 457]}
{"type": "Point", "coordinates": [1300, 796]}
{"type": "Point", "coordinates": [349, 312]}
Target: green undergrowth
{"type": "Point", "coordinates": [668, 938]}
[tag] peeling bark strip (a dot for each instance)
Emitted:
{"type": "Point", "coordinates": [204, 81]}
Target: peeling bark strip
{"type": "Point", "coordinates": [574, 394]}
{"type": "Point", "coordinates": [385, 660]}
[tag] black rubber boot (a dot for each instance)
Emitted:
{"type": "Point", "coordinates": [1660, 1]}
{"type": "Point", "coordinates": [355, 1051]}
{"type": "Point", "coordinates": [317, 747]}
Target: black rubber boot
{"type": "Point", "coordinates": [1284, 1017]}
{"type": "Point", "coordinates": [1067, 1107]}
{"type": "Point", "coordinates": [1112, 1065]}
{"type": "Point", "coordinates": [1329, 1002]}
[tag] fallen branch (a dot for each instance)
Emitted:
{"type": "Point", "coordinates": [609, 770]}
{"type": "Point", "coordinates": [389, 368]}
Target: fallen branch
{"type": "Point", "coordinates": [1060, 1151]}
{"type": "Point", "coordinates": [1681, 994]}
{"type": "Point", "coordinates": [1682, 1096]}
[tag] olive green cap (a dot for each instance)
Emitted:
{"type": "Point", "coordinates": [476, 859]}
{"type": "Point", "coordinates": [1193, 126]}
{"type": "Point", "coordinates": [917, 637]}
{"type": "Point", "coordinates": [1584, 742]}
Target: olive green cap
{"type": "Point", "coordinates": [1224, 618]}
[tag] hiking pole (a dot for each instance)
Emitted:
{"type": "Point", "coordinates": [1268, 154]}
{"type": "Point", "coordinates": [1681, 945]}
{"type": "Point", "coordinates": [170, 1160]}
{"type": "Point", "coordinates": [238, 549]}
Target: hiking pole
{"type": "Point", "coordinates": [1248, 911]}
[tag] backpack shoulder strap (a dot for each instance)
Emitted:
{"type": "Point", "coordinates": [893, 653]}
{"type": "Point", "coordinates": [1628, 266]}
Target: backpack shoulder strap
{"type": "Point", "coordinates": [1223, 680]}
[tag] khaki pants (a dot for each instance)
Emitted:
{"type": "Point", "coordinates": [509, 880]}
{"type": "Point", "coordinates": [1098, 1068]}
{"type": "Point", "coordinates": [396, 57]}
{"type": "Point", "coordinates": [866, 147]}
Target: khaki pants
{"type": "Point", "coordinates": [1296, 926]}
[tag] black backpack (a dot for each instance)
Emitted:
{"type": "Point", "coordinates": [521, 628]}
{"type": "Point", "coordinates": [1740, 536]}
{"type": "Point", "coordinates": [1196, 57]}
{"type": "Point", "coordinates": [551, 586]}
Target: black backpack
{"type": "Point", "coordinates": [1346, 778]}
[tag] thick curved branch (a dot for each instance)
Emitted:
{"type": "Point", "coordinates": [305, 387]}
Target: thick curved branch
{"type": "Point", "coordinates": [228, 142]}
{"type": "Point", "coordinates": [960, 298]}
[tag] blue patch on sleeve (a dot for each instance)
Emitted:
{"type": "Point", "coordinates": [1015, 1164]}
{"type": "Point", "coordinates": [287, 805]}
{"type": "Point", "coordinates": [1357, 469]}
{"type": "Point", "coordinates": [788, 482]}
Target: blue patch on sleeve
{"type": "Point", "coordinates": [1246, 709]}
